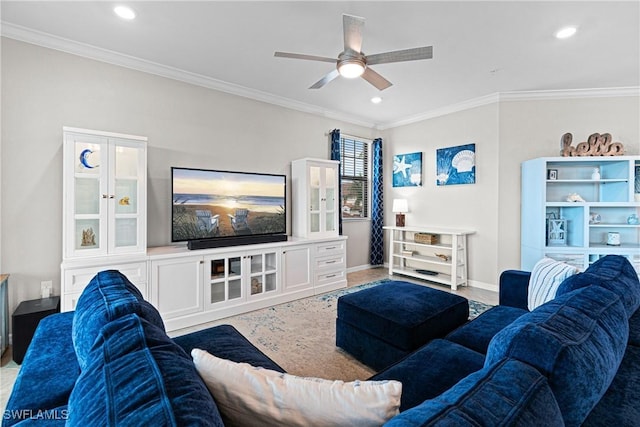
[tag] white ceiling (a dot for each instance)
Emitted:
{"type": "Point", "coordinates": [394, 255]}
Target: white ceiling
{"type": "Point", "coordinates": [479, 48]}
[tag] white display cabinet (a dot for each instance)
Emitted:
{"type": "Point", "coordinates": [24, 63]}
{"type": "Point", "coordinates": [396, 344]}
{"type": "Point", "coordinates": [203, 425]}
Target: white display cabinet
{"type": "Point", "coordinates": [315, 197]}
{"type": "Point", "coordinates": [578, 209]}
{"type": "Point", "coordinates": [104, 209]}
{"type": "Point", "coordinates": [104, 180]}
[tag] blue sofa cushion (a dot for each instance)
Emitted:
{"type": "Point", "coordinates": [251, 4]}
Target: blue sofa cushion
{"type": "Point", "coordinates": [508, 393]}
{"type": "Point", "coordinates": [477, 334]}
{"type": "Point", "coordinates": [226, 342]}
{"type": "Point", "coordinates": [136, 375]}
{"type": "Point", "coordinates": [634, 329]}
{"type": "Point", "coordinates": [48, 372]}
{"type": "Point", "coordinates": [431, 370]}
{"type": "Point", "coordinates": [620, 406]}
{"type": "Point", "coordinates": [403, 314]}
{"type": "Point", "coordinates": [107, 297]}
{"type": "Point", "coordinates": [612, 272]}
{"type": "Point", "coordinates": [577, 341]}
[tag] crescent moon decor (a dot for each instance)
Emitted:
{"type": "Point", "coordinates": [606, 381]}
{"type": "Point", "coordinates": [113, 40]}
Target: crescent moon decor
{"type": "Point", "coordinates": [84, 159]}
{"type": "Point", "coordinates": [456, 165]}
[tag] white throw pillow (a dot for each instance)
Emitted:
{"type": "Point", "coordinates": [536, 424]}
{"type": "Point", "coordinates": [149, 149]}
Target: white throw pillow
{"type": "Point", "coordinates": [546, 277]}
{"type": "Point", "coordinates": [250, 396]}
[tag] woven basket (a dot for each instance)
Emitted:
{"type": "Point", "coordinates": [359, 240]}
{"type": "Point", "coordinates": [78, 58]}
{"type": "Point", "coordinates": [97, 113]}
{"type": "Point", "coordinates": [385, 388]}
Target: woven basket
{"type": "Point", "coordinates": [429, 239]}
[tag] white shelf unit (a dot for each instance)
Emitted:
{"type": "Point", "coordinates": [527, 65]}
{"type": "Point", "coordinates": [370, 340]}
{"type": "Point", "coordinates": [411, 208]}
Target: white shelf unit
{"type": "Point", "coordinates": [608, 202]}
{"type": "Point", "coordinates": [410, 258]}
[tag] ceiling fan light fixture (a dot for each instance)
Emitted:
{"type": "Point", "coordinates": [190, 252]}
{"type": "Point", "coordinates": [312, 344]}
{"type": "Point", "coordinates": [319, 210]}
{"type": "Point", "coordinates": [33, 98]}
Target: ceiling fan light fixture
{"type": "Point", "coordinates": [124, 12]}
{"type": "Point", "coordinates": [351, 68]}
{"type": "Point", "coordinates": [566, 32]}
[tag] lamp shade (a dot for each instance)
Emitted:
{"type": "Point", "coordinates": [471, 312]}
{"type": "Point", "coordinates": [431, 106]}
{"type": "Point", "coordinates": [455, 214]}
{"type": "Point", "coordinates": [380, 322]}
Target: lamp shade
{"type": "Point", "coordinates": [400, 206]}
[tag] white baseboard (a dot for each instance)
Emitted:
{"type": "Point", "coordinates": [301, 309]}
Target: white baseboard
{"type": "Point", "coordinates": [364, 267]}
{"type": "Point", "coordinates": [483, 285]}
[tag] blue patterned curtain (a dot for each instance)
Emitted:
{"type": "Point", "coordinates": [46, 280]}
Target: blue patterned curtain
{"type": "Point", "coordinates": [335, 155]}
{"type": "Point", "coordinates": [377, 206]}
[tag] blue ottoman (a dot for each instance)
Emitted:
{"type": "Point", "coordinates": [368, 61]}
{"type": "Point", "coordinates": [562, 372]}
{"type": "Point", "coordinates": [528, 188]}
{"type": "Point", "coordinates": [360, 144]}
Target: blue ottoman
{"type": "Point", "coordinates": [380, 325]}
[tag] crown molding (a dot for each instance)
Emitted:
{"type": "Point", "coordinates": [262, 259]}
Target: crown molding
{"type": "Point", "coordinates": [39, 38]}
{"type": "Point", "coordinates": [454, 108]}
{"type": "Point", "coordinates": [531, 95]}
{"type": "Point", "coordinates": [28, 35]}
{"type": "Point", "coordinates": [534, 95]}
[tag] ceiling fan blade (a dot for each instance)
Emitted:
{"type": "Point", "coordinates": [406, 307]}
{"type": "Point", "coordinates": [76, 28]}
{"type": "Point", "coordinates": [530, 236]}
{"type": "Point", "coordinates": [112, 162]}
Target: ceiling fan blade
{"type": "Point", "coordinates": [413, 54]}
{"type": "Point", "coordinates": [326, 79]}
{"type": "Point", "coordinates": [352, 26]}
{"type": "Point", "coordinates": [376, 79]}
{"type": "Point", "coordinates": [302, 56]}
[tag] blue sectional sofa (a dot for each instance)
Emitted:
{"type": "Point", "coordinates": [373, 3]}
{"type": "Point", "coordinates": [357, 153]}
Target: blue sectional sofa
{"type": "Point", "coordinates": [572, 361]}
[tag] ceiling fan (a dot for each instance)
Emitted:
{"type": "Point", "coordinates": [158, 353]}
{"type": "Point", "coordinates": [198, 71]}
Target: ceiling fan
{"type": "Point", "coordinates": [352, 62]}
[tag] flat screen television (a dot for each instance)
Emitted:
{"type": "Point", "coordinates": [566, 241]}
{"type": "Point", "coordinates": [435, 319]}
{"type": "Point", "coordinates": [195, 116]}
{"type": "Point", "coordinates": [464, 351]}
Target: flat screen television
{"type": "Point", "coordinates": [214, 208]}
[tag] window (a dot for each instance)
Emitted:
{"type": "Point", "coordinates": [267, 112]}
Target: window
{"type": "Point", "coordinates": [354, 175]}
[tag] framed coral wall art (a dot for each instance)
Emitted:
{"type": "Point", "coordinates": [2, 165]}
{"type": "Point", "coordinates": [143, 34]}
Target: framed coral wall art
{"type": "Point", "coordinates": [407, 170]}
{"type": "Point", "coordinates": [456, 165]}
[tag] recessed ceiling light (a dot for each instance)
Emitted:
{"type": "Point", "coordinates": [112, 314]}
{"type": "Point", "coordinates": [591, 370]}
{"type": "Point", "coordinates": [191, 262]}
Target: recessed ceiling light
{"type": "Point", "coordinates": [125, 12]}
{"type": "Point", "coordinates": [566, 32]}
{"type": "Point", "coordinates": [376, 100]}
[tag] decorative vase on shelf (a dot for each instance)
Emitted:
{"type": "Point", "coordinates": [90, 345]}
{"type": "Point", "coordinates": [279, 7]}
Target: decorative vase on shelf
{"type": "Point", "coordinates": [596, 174]}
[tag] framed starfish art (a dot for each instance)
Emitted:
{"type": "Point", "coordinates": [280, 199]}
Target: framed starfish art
{"type": "Point", "coordinates": [407, 170]}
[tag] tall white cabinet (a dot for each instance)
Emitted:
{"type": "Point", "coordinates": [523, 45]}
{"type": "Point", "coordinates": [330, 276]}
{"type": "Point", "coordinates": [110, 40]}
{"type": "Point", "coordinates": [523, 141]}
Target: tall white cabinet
{"type": "Point", "coordinates": [104, 208]}
{"type": "Point", "coordinates": [315, 197]}
{"type": "Point", "coordinates": [556, 223]}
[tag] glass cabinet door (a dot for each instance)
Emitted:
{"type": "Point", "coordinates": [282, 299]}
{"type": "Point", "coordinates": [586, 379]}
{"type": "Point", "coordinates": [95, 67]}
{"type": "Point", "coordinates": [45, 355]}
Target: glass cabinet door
{"type": "Point", "coordinates": [262, 275]}
{"type": "Point", "coordinates": [225, 279]}
{"type": "Point", "coordinates": [125, 196]}
{"type": "Point", "coordinates": [314, 199]}
{"type": "Point", "coordinates": [330, 185]}
{"type": "Point", "coordinates": [89, 193]}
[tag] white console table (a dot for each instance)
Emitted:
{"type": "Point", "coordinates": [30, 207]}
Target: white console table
{"type": "Point", "coordinates": [421, 260]}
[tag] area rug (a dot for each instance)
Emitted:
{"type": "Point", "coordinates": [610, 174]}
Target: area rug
{"type": "Point", "coordinates": [300, 335]}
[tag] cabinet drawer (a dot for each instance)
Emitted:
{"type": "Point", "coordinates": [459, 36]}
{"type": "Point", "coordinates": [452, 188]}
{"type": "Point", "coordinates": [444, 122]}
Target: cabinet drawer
{"type": "Point", "coordinates": [330, 277]}
{"type": "Point", "coordinates": [331, 262]}
{"type": "Point", "coordinates": [330, 248]}
{"type": "Point", "coordinates": [76, 279]}
{"type": "Point", "coordinates": [69, 301]}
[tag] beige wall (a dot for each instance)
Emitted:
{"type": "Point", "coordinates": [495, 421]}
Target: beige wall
{"type": "Point", "coordinates": [506, 133]}
{"type": "Point", "coordinates": [44, 90]}
{"type": "Point", "coordinates": [454, 206]}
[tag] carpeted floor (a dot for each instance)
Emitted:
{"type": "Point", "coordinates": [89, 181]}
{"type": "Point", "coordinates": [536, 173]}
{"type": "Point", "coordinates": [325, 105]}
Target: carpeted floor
{"type": "Point", "coordinates": [300, 335]}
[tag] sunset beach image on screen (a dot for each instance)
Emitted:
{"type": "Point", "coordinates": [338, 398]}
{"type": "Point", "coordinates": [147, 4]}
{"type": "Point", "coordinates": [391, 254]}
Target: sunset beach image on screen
{"type": "Point", "coordinates": [209, 204]}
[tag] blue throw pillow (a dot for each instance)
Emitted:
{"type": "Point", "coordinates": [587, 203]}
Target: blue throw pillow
{"type": "Point", "coordinates": [136, 375]}
{"type": "Point", "coordinates": [577, 341]}
{"type": "Point", "coordinates": [107, 297]}
{"type": "Point", "coordinates": [612, 272]}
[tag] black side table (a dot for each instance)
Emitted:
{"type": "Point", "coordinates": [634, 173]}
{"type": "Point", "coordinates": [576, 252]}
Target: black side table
{"type": "Point", "coordinates": [25, 320]}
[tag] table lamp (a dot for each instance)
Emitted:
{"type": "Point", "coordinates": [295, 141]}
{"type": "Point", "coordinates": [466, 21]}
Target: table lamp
{"type": "Point", "coordinates": [400, 206]}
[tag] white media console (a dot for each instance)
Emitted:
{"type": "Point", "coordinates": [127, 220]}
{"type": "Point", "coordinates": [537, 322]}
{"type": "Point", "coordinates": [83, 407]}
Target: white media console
{"type": "Point", "coordinates": [191, 287]}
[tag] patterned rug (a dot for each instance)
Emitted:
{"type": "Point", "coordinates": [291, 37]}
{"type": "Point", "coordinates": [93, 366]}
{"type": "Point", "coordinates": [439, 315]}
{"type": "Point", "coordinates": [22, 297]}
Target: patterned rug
{"type": "Point", "coordinates": [300, 335]}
